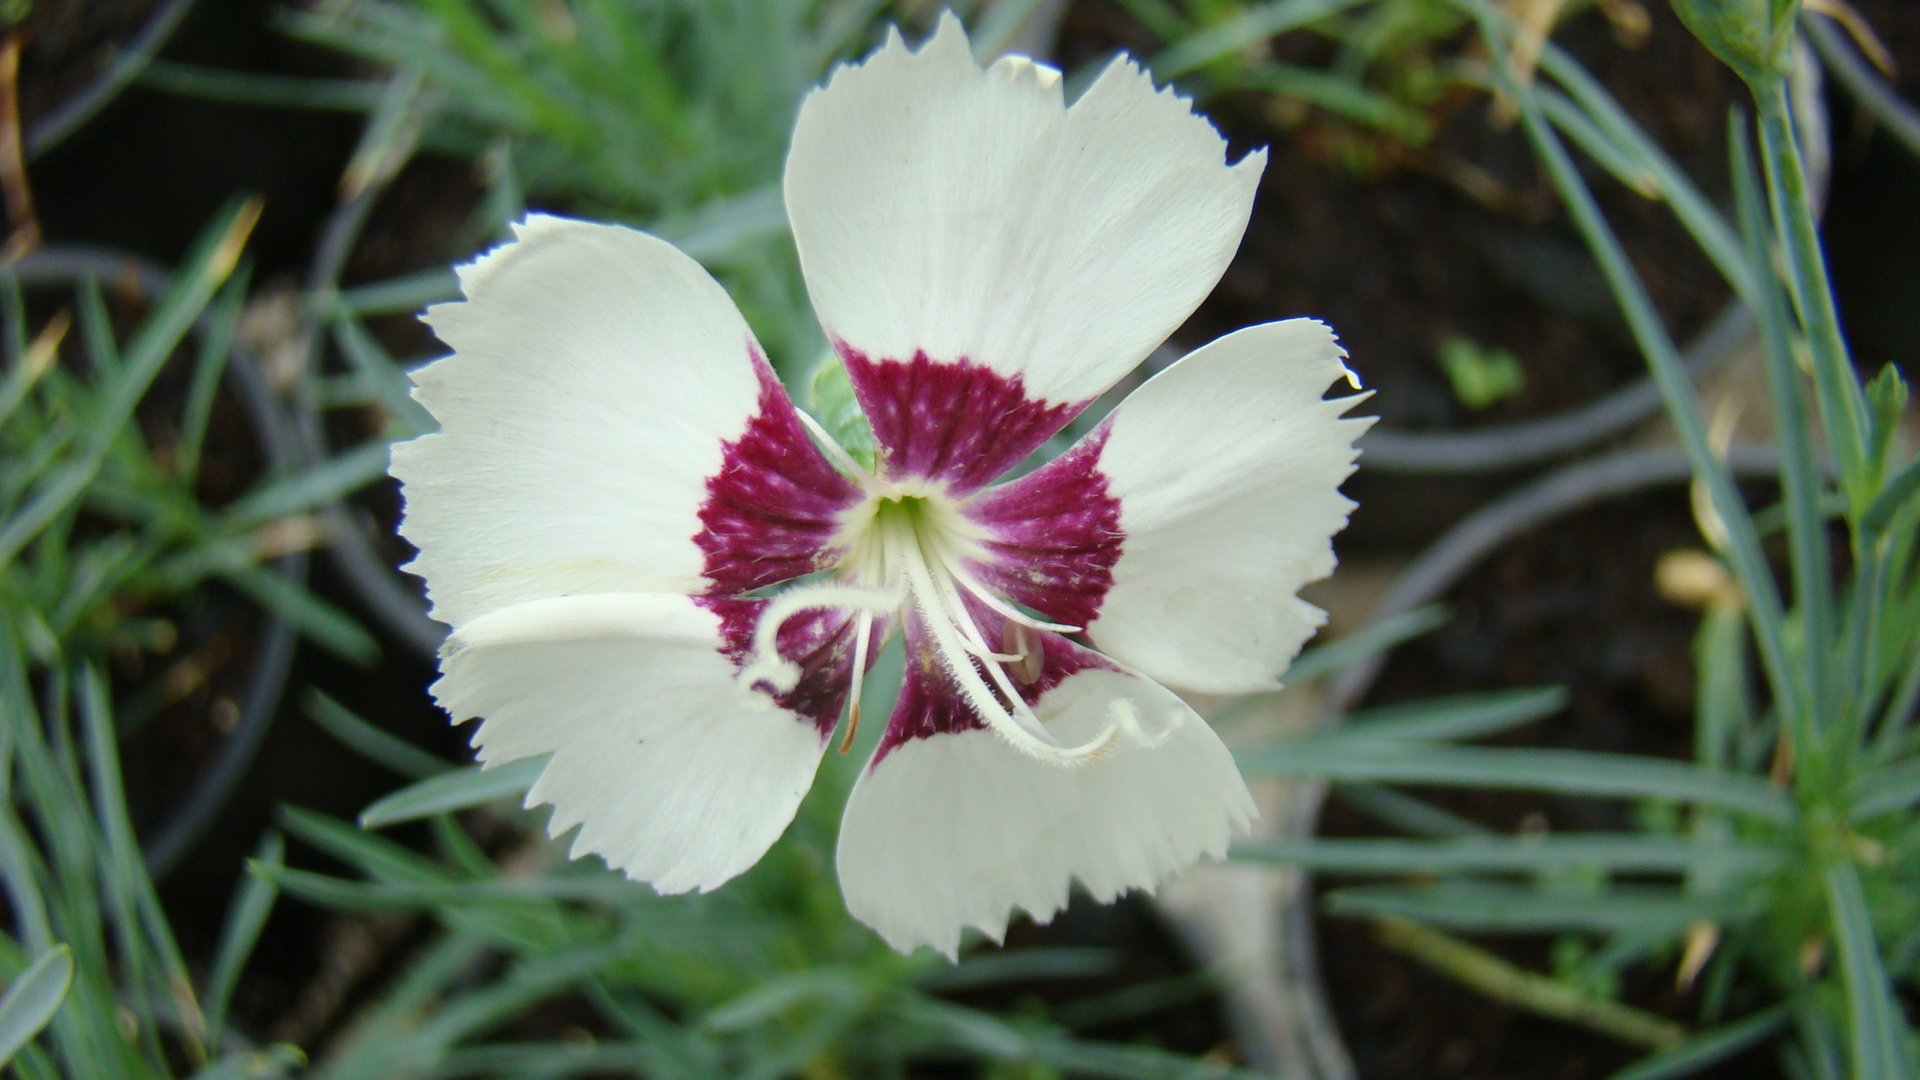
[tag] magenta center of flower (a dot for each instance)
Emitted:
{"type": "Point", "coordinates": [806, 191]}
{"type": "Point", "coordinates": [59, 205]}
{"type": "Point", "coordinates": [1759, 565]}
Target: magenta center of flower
{"type": "Point", "coordinates": [812, 563]}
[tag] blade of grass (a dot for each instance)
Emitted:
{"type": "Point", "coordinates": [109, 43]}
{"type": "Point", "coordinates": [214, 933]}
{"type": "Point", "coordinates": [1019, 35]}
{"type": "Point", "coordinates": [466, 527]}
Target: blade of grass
{"type": "Point", "coordinates": [252, 902]}
{"type": "Point", "coordinates": [1616, 853]}
{"type": "Point", "coordinates": [370, 742]}
{"type": "Point", "coordinates": [319, 621]}
{"type": "Point", "coordinates": [1837, 392]}
{"type": "Point", "coordinates": [1403, 811]}
{"type": "Point", "coordinates": [1524, 910]}
{"type": "Point", "coordinates": [388, 381]}
{"type": "Point", "coordinates": [33, 998]}
{"type": "Point", "coordinates": [308, 489]}
{"type": "Point", "coordinates": [1570, 772]}
{"type": "Point", "coordinates": [1878, 1039]}
{"type": "Point", "coordinates": [216, 345]}
{"type": "Point", "coordinates": [96, 329]}
{"type": "Point", "coordinates": [1504, 982]}
{"type": "Point", "coordinates": [1247, 27]}
{"type": "Point", "coordinates": [1669, 374]}
{"type": "Point", "coordinates": [1466, 716]}
{"type": "Point", "coordinates": [1707, 1048]}
{"type": "Point", "coordinates": [401, 295]}
{"type": "Point", "coordinates": [1806, 528]}
{"type": "Point", "coordinates": [458, 790]}
{"type": "Point", "coordinates": [1369, 640]}
{"type": "Point", "coordinates": [213, 259]}
{"type": "Point", "coordinates": [125, 869]}
{"type": "Point", "coordinates": [33, 360]}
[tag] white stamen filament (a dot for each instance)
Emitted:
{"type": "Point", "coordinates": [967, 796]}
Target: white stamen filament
{"type": "Point", "coordinates": [890, 540]}
{"type": "Point", "coordinates": [1000, 607]}
{"type": "Point", "coordinates": [831, 445]}
{"type": "Point", "coordinates": [1013, 726]}
{"type": "Point", "coordinates": [768, 665]}
{"type": "Point", "coordinates": [862, 638]}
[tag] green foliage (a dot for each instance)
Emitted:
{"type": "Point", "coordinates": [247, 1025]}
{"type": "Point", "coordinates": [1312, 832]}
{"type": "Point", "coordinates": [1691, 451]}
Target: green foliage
{"type": "Point", "coordinates": [101, 523]}
{"type": "Point", "coordinates": [1390, 72]}
{"type": "Point", "coordinates": [99, 985]}
{"type": "Point", "coordinates": [1786, 859]}
{"type": "Point", "coordinates": [674, 116]}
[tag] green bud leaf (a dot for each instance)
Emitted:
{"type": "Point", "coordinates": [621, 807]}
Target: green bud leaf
{"type": "Point", "coordinates": [1749, 36]}
{"type": "Point", "coordinates": [1886, 402]}
{"type": "Point", "coordinates": [832, 402]}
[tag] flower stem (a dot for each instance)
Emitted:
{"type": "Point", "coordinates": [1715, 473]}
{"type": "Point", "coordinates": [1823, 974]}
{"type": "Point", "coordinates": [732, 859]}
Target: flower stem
{"type": "Point", "coordinates": [1842, 404]}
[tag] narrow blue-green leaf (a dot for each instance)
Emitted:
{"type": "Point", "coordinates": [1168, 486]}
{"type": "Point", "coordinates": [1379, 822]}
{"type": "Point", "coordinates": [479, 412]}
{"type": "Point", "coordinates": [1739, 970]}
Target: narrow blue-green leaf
{"type": "Point", "coordinates": [268, 1064]}
{"type": "Point", "coordinates": [458, 790]}
{"type": "Point", "coordinates": [1706, 1048]}
{"type": "Point", "coordinates": [311, 488]}
{"type": "Point", "coordinates": [1618, 853]}
{"type": "Point", "coordinates": [33, 999]}
{"type": "Point", "coordinates": [1569, 772]}
{"type": "Point", "coordinates": [1340, 95]}
{"type": "Point", "coordinates": [215, 256]}
{"type": "Point", "coordinates": [1367, 641]}
{"type": "Point", "coordinates": [1696, 212]}
{"type": "Point", "coordinates": [1877, 1037]}
{"type": "Point", "coordinates": [146, 933]}
{"type": "Point", "coordinates": [317, 620]}
{"type": "Point", "coordinates": [96, 328]}
{"type": "Point", "coordinates": [447, 893]}
{"type": "Point", "coordinates": [1463, 717]}
{"type": "Point", "coordinates": [1249, 26]}
{"type": "Point", "coordinates": [384, 376]}
{"type": "Point", "coordinates": [372, 743]}
{"type": "Point", "coordinates": [771, 997]}
{"type": "Point", "coordinates": [258, 90]}
{"type": "Point", "coordinates": [1522, 909]}
{"type": "Point", "coordinates": [1020, 965]}
{"type": "Point", "coordinates": [210, 363]}
{"type": "Point", "coordinates": [401, 295]}
{"type": "Point", "coordinates": [1407, 813]}
{"type": "Point", "coordinates": [252, 901]}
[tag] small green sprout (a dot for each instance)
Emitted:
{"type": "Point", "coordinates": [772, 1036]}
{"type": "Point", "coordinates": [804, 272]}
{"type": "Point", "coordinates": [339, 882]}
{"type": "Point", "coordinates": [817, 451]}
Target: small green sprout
{"type": "Point", "coordinates": [1482, 376]}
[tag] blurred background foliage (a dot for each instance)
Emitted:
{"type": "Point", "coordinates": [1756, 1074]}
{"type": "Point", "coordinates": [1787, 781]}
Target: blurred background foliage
{"type": "Point", "coordinates": [176, 441]}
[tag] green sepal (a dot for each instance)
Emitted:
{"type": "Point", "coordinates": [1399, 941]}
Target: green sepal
{"type": "Point", "coordinates": [1886, 403]}
{"type": "Point", "coordinates": [832, 402]}
{"type": "Point", "coordinates": [1750, 36]}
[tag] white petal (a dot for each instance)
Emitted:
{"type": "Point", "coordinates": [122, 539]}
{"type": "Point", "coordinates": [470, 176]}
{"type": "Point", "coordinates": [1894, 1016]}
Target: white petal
{"type": "Point", "coordinates": [971, 214]}
{"type": "Point", "coordinates": [596, 372]}
{"type": "Point", "coordinates": [1227, 467]}
{"type": "Point", "coordinates": [676, 772]}
{"type": "Point", "coordinates": [955, 830]}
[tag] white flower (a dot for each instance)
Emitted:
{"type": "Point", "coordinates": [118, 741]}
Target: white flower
{"type": "Point", "coordinates": [619, 480]}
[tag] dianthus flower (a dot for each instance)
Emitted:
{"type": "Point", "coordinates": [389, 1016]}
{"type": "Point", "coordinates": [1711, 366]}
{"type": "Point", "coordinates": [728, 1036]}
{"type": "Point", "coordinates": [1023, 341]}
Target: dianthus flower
{"type": "Point", "coordinates": [664, 575]}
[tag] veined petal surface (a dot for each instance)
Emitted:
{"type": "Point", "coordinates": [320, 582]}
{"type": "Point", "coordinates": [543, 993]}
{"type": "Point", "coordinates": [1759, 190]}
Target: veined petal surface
{"type": "Point", "coordinates": [955, 216]}
{"type": "Point", "coordinates": [950, 826]}
{"type": "Point", "coordinates": [607, 424]}
{"type": "Point", "coordinates": [1227, 468]}
{"type": "Point", "coordinates": [676, 772]}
